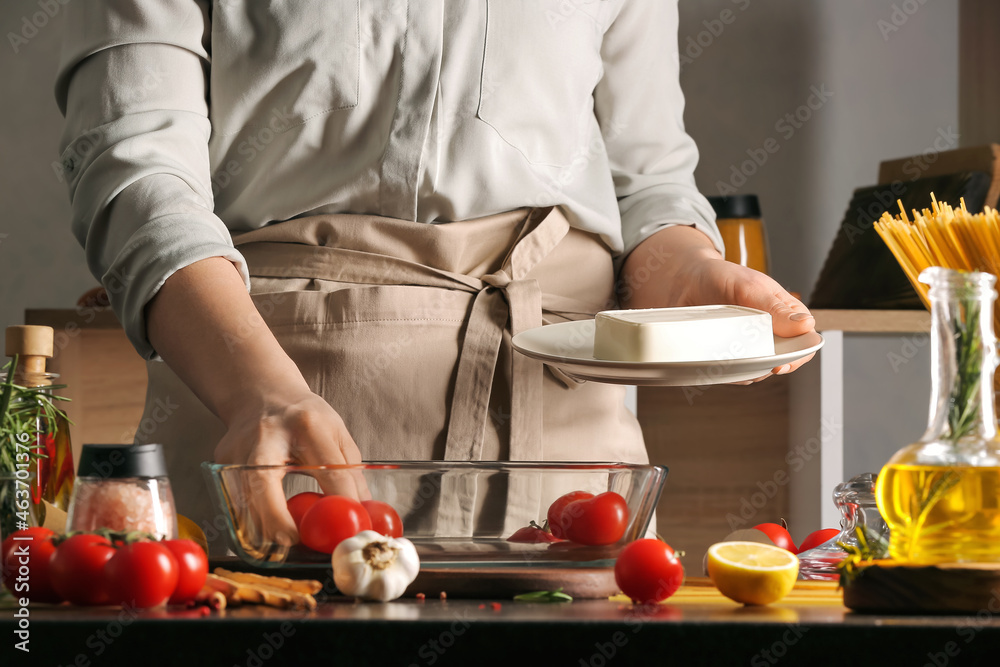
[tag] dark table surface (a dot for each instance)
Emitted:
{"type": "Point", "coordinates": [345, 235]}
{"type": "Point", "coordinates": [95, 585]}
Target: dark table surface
{"type": "Point", "coordinates": [694, 628]}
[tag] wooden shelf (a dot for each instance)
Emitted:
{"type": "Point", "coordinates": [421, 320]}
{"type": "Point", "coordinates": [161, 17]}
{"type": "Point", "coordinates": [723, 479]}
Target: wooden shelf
{"type": "Point", "coordinates": [873, 321]}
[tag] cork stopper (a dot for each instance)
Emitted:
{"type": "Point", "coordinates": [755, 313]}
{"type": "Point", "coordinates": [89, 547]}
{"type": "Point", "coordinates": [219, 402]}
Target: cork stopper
{"type": "Point", "coordinates": [29, 341]}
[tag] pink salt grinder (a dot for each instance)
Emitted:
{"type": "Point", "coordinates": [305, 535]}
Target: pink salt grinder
{"type": "Point", "coordinates": [123, 488]}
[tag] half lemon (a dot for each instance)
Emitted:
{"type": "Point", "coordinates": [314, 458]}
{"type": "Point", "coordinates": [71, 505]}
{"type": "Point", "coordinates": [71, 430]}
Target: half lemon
{"type": "Point", "coordinates": [752, 573]}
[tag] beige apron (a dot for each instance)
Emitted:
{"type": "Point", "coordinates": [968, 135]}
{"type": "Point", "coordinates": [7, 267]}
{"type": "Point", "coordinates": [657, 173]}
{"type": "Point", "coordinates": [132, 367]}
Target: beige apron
{"type": "Point", "coordinates": [405, 328]}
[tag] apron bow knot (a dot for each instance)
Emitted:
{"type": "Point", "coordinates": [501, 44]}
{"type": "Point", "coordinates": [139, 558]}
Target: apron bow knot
{"type": "Point", "coordinates": [500, 280]}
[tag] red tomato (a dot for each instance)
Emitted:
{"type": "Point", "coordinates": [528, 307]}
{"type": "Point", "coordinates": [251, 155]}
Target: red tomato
{"type": "Point", "coordinates": [557, 522]}
{"type": "Point", "coordinates": [533, 534]}
{"type": "Point", "coordinates": [817, 538]}
{"type": "Point", "coordinates": [192, 569]}
{"type": "Point", "coordinates": [142, 575]}
{"type": "Point", "coordinates": [330, 521]}
{"type": "Point", "coordinates": [77, 569]}
{"type": "Point", "coordinates": [28, 560]}
{"type": "Point", "coordinates": [384, 518]}
{"type": "Point", "coordinates": [588, 519]}
{"type": "Point", "coordinates": [779, 535]}
{"type": "Point", "coordinates": [648, 571]}
{"type": "Point", "coordinates": [300, 503]}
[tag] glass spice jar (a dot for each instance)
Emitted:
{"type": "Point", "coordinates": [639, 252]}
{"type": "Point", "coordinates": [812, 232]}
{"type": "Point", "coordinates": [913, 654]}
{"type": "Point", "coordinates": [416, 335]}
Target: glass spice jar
{"type": "Point", "coordinates": [941, 495]}
{"type": "Point", "coordinates": [123, 488]}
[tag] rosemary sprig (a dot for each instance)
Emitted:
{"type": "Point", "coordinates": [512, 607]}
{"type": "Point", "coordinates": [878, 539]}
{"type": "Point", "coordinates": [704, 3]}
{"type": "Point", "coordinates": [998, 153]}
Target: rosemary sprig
{"type": "Point", "coordinates": [25, 413]}
{"type": "Point", "coordinates": [963, 412]}
{"type": "Point", "coordinates": [871, 546]}
{"type": "Point", "coordinates": [544, 596]}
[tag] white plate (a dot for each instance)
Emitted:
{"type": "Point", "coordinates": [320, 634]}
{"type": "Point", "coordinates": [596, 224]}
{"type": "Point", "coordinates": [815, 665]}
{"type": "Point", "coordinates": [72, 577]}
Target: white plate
{"type": "Point", "coordinates": [569, 346]}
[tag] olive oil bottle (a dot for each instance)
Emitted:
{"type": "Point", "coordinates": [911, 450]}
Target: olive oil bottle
{"type": "Point", "coordinates": [941, 495]}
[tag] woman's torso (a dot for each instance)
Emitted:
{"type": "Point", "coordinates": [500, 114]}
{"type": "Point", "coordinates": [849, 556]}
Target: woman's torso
{"type": "Point", "coordinates": [423, 111]}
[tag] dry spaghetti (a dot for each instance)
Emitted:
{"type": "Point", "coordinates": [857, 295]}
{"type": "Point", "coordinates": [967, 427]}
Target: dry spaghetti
{"type": "Point", "coordinates": [943, 236]}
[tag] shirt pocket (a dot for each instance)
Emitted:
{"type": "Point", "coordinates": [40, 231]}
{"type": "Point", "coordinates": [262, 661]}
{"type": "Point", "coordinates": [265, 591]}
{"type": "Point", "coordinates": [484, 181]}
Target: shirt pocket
{"type": "Point", "coordinates": [541, 62]}
{"type": "Point", "coordinates": [280, 63]}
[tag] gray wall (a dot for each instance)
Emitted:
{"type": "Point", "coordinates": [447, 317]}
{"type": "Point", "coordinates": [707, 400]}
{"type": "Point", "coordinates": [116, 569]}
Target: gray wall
{"type": "Point", "coordinates": [892, 92]}
{"type": "Point", "coordinates": [41, 264]}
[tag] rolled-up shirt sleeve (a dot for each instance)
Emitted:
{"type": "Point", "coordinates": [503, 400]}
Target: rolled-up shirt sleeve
{"type": "Point", "coordinates": [640, 107]}
{"type": "Point", "coordinates": [133, 87]}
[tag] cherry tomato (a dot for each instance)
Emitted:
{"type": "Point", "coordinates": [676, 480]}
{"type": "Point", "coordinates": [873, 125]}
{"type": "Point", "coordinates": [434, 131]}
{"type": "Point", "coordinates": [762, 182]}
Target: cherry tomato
{"type": "Point", "coordinates": [648, 571]}
{"type": "Point", "coordinates": [300, 503]}
{"type": "Point", "coordinates": [533, 534]}
{"type": "Point", "coordinates": [142, 575]}
{"type": "Point", "coordinates": [192, 569]}
{"type": "Point", "coordinates": [77, 569]}
{"type": "Point", "coordinates": [557, 522]}
{"type": "Point", "coordinates": [332, 520]}
{"type": "Point", "coordinates": [28, 560]}
{"type": "Point", "coordinates": [589, 519]}
{"type": "Point", "coordinates": [816, 538]}
{"type": "Point", "coordinates": [779, 535]}
{"type": "Point", "coordinates": [384, 518]}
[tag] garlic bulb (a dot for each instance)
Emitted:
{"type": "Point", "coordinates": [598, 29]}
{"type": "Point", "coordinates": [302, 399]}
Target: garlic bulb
{"type": "Point", "coordinates": [374, 567]}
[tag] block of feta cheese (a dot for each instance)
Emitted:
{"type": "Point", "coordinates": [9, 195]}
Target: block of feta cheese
{"type": "Point", "coordinates": [701, 333]}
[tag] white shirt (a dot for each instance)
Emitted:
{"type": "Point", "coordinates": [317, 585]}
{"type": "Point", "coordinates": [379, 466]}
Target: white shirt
{"type": "Point", "coordinates": [187, 121]}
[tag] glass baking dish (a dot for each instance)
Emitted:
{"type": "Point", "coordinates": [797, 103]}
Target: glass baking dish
{"type": "Point", "coordinates": [457, 514]}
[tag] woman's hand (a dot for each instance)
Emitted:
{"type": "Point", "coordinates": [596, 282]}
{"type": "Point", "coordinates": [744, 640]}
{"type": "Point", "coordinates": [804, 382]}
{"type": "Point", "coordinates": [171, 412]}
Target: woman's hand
{"type": "Point", "coordinates": [679, 266]}
{"type": "Point", "coordinates": [285, 427]}
{"type": "Point", "coordinates": [205, 326]}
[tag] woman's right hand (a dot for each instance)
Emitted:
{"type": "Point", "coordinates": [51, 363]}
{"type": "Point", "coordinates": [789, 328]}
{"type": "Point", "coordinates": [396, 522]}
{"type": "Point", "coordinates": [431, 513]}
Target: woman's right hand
{"type": "Point", "coordinates": [294, 428]}
{"type": "Point", "coordinates": [206, 327]}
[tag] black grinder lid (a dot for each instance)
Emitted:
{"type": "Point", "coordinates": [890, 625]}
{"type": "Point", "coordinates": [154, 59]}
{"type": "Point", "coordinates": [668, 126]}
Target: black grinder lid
{"type": "Point", "coordinates": [121, 461]}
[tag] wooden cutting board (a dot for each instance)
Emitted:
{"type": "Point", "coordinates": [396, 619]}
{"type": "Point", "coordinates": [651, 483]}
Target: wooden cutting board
{"type": "Point", "coordinates": [580, 583]}
{"type": "Point", "coordinates": [950, 588]}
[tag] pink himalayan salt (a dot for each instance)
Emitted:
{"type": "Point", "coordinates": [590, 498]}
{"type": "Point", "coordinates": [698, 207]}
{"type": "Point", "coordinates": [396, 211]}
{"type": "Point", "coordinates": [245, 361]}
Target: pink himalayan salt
{"type": "Point", "coordinates": [123, 506]}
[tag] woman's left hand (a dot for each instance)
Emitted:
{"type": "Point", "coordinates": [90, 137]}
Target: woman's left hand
{"type": "Point", "coordinates": [679, 266]}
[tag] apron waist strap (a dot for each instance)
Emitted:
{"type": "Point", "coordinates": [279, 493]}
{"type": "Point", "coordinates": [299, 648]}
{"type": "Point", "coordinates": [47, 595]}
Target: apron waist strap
{"type": "Point", "coordinates": [506, 299]}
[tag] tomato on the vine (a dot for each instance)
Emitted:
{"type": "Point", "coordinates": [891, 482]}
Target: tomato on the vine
{"type": "Point", "coordinates": [648, 571]}
{"type": "Point", "coordinates": [331, 520]}
{"type": "Point", "coordinates": [26, 555]}
{"type": "Point", "coordinates": [816, 538]}
{"type": "Point", "coordinates": [141, 574]}
{"type": "Point", "coordinates": [588, 519]}
{"type": "Point", "coordinates": [77, 569]}
{"type": "Point", "coordinates": [779, 535]}
{"type": "Point", "coordinates": [557, 522]}
{"type": "Point", "coordinates": [192, 569]}
{"type": "Point", "coordinates": [300, 503]}
{"type": "Point", "coordinates": [384, 518]}
{"type": "Point", "coordinates": [533, 534]}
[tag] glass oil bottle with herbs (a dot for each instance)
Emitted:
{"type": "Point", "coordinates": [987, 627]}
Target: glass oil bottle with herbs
{"type": "Point", "coordinates": [941, 495]}
{"type": "Point", "coordinates": [34, 432]}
